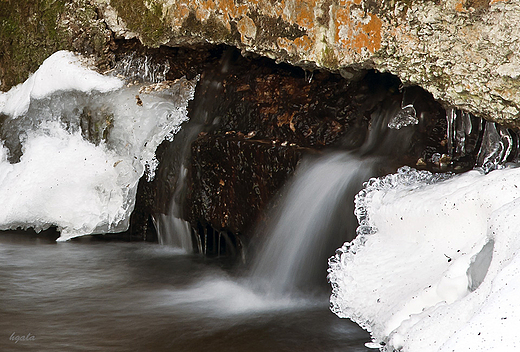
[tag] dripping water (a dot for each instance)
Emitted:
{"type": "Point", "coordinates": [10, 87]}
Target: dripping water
{"type": "Point", "coordinates": [172, 229]}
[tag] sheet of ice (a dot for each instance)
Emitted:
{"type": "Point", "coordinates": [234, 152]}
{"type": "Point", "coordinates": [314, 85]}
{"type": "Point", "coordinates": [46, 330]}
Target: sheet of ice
{"type": "Point", "coordinates": [434, 266]}
{"type": "Point", "coordinates": [86, 140]}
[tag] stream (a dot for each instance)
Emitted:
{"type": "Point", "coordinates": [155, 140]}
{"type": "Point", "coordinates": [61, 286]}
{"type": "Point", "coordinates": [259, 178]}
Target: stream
{"type": "Point", "coordinates": [96, 296]}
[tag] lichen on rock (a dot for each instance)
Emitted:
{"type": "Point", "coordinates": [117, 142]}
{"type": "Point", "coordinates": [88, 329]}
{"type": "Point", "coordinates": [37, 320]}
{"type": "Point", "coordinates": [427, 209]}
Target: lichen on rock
{"type": "Point", "coordinates": [465, 52]}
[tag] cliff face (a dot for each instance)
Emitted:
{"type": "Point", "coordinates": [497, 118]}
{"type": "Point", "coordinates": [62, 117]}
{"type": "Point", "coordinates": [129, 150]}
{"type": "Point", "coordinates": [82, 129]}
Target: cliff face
{"type": "Point", "coordinates": [465, 52]}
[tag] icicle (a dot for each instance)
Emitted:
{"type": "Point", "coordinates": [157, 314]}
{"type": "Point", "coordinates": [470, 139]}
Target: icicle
{"type": "Point", "coordinates": [473, 127]}
{"type": "Point", "coordinates": [406, 116]}
{"type": "Point", "coordinates": [496, 146]}
{"type": "Point", "coordinates": [462, 132]}
{"type": "Point", "coordinates": [451, 116]}
{"type": "Point", "coordinates": [309, 75]}
{"type": "Point", "coordinates": [142, 69]}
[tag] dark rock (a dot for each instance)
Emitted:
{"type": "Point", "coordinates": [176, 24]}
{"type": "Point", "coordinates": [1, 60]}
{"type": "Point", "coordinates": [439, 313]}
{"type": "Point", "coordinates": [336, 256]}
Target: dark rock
{"type": "Point", "coordinates": [233, 179]}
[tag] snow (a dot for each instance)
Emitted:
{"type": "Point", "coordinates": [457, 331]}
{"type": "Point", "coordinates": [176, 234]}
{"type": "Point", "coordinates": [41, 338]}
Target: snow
{"type": "Point", "coordinates": [60, 72]}
{"type": "Point", "coordinates": [86, 141]}
{"type": "Point", "coordinates": [435, 265]}
{"type": "Point", "coordinates": [66, 181]}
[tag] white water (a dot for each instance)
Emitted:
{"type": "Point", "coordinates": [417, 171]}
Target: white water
{"type": "Point", "coordinates": [173, 231]}
{"type": "Point", "coordinates": [435, 265]}
{"type": "Point", "coordinates": [64, 180]}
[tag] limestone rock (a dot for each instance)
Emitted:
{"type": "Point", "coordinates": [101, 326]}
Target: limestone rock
{"type": "Point", "coordinates": [465, 52]}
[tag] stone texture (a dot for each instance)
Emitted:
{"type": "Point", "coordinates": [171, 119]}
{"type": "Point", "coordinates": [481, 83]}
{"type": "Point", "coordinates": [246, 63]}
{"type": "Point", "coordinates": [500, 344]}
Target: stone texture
{"type": "Point", "coordinates": [465, 52]}
{"type": "Point", "coordinates": [233, 180]}
{"type": "Point", "coordinates": [31, 30]}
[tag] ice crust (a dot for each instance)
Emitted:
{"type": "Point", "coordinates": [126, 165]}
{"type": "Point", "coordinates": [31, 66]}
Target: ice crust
{"type": "Point", "coordinates": [61, 71]}
{"type": "Point", "coordinates": [64, 179]}
{"type": "Point", "coordinates": [435, 266]}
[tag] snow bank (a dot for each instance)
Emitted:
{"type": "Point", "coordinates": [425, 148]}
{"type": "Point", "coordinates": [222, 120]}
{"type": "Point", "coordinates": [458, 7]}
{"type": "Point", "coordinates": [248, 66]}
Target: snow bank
{"type": "Point", "coordinates": [86, 141]}
{"type": "Point", "coordinates": [60, 72]}
{"type": "Point", "coordinates": [435, 265]}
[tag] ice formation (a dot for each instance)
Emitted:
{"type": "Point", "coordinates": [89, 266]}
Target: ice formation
{"type": "Point", "coordinates": [75, 144]}
{"type": "Point", "coordinates": [405, 117]}
{"type": "Point", "coordinates": [435, 265]}
{"type": "Point", "coordinates": [61, 71]}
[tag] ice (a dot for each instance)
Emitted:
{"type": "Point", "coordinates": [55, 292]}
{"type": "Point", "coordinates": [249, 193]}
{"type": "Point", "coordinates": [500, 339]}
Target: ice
{"type": "Point", "coordinates": [76, 143]}
{"type": "Point", "coordinates": [496, 146]}
{"type": "Point", "coordinates": [62, 71]}
{"type": "Point", "coordinates": [142, 69]}
{"type": "Point", "coordinates": [435, 265]}
{"type": "Point", "coordinates": [405, 117]}
{"type": "Point", "coordinates": [65, 181]}
{"type": "Point", "coordinates": [463, 131]}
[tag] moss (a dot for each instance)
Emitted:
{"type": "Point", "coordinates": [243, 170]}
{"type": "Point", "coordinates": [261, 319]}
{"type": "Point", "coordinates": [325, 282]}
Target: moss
{"type": "Point", "coordinates": [32, 30]}
{"type": "Point", "coordinates": [27, 36]}
{"type": "Point", "coordinates": [142, 19]}
{"type": "Point", "coordinates": [329, 59]}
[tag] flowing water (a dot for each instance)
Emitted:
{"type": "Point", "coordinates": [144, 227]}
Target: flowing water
{"type": "Point", "coordinates": [317, 213]}
{"type": "Point", "coordinates": [91, 296]}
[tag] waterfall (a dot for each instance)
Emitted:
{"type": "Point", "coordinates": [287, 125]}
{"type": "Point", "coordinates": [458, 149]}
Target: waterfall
{"type": "Point", "coordinates": [172, 229]}
{"type": "Point", "coordinates": [317, 209]}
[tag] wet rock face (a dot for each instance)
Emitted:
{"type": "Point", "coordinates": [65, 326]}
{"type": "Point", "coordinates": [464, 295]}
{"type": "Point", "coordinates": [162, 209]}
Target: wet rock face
{"type": "Point", "coordinates": [265, 117]}
{"type": "Point", "coordinates": [233, 179]}
{"type": "Point", "coordinates": [287, 105]}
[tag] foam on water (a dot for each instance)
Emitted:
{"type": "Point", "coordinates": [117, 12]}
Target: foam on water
{"type": "Point", "coordinates": [75, 144]}
{"type": "Point", "coordinates": [434, 266]}
{"type": "Point", "coordinates": [221, 295]}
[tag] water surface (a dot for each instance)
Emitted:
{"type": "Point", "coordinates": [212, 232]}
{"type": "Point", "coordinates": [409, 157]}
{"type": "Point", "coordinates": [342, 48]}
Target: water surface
{"type": "Point", "coordinates": [92, 296]}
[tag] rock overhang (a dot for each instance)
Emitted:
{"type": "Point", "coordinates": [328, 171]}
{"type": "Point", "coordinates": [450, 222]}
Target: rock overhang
{"type": "Point", "coordinates": [465, 52]}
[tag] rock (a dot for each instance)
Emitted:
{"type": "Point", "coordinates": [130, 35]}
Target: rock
{"type": "Point", "coordinates": [232, 180]}
{"type": "Point", "coordinates": [464, 52]}
{"type": "Point", "coordinates": [32, 30]}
